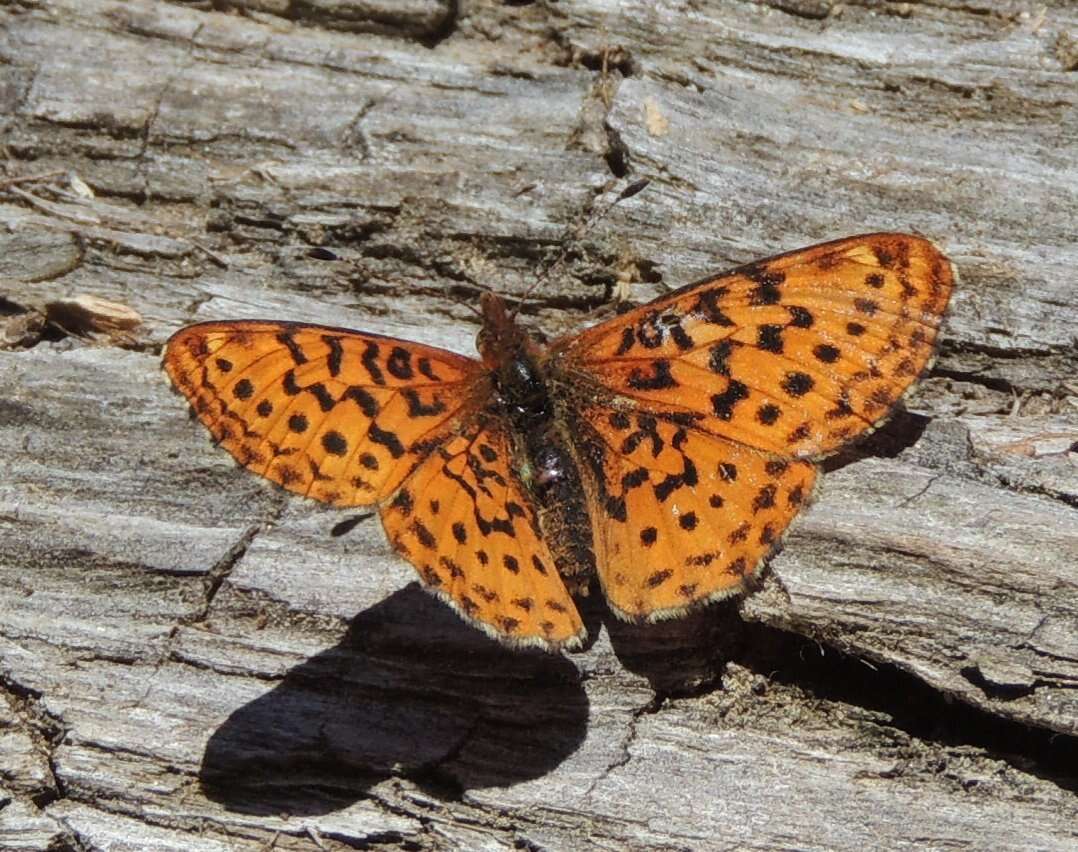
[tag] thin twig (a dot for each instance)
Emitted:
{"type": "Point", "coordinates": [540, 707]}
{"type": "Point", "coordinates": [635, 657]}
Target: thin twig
{"type": "Point", "coordinates": [212, 255]}
{"type": "Point", "coordinates": [11, 181]}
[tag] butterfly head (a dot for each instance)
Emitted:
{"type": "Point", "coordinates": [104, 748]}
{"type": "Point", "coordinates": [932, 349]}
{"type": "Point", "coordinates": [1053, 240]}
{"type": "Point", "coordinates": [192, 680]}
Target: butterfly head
{"type": "Point", "coordinates": [500, 340]}
{"type": "Point", "coordinates": [511, 354]}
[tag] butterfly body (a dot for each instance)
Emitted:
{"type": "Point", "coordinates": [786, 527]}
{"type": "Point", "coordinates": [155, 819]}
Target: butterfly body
{"type": "Point", "coordinates": [664, 451]}
{"type": "Point", "coordinates": [526, 400]}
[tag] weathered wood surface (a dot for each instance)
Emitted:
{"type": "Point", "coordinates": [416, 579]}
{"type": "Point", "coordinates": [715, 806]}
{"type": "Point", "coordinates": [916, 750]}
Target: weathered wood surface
{"type": "Point", "coordinates": [189, 660]}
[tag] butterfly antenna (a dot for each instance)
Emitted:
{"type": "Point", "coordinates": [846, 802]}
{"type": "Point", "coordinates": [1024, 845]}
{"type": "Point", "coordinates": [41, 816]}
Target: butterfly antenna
{"type": "Point", "coordinates": [629, 191]}
{"type": "Point", "coordinates": [461, 302]}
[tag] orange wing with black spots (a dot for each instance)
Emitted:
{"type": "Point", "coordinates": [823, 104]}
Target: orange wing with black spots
{"type": "Point", "coordinates": [794, 355]}
{"type": "Point", "coordinates": [694, 423]}
{"type": "Point", "coordinates": [680, 517]}
{"type": "Point", "coordinates": [332, 414]}
{"type": "Point", "coordinates": [355, 419]}
{"type": "Point", "coordinates": [707, 406]}
{"type": "Point", "coordinates": [467, 524]}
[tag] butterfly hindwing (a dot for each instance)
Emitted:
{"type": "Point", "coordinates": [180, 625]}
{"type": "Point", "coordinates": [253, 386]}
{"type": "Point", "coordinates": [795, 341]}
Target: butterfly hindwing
{"type": "Point", "coordinates": [470, 528]}
{"type": "Point", "coordinates": [679, 516]}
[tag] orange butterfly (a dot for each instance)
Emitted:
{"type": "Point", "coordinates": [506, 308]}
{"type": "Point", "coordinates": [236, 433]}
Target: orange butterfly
{"type": "Point", "coordinates": [665, 450]}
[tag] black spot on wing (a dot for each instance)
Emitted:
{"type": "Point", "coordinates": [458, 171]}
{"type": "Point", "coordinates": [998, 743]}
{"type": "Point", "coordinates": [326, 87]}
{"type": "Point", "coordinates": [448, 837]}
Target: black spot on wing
{"type": "Point", "coordinates": [399, 363]}
{"type": "Point", "coordinates": [628, 340]}
{"type": "Point", "coordinates": [425, 369]}
{"type": "Point", "coordinates": [797, 384]}
{"type": "Point", "coordinates": [369, 461]}
{"type": "Point", "coordinates": [298, 423]}
{"type": "Point", "coordinates": [649, 332]}
{"type": "Point", "coordinates": [367, 403]}
{"type": "Point", "coordinates": [719, 358]}
{"type": "Point", "coordinates": [417, 408]}
{"type": "Point", "coordinates": [370, 363]}
{"type": "Point", "coordinates": [319, 392]}
{"type": "Point", "coordinates": [680, 337]}
{"type": "Point", "coordinates": [620, 421]}
{"type": "Point", "coordinates": [709, 307]}
{"type": "Point", "coordinates": [658, 578]}
{"type": "Point", "coordinates": [723, 403]}
{"type": "Point", "coordinates": [659, 378]}
{"type": "Point", "coordinates": [333, 359]}
{"type": "Point", "coordinates": [800, 317]}
{"type": "Point", "coordinates": [769, 338]}
{"type": "Point", "coordinates": [826, 353]}
{"type": "Point", "coordinates": [389, 440]}
{"type": "Point", "coordinates": [765, 498]}
{"type": "Point", "coordinates": [767, 282]}
{"type": "Point", "coordinates": [288, 341]}
{"type": "Point", "coordinates": [334, 443]}
{"type": "Point", "coordinates": [768, 413]}
{"type": "Point", "coordinates": [674, 481]}
{"type": "Point", "coordinates": [403, 502]}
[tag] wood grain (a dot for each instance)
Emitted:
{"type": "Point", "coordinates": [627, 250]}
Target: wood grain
{"type": "Point", "coordinates": [190, 660]}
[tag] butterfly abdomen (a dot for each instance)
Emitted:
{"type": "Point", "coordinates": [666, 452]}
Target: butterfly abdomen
{"type": "Point", "coordinates": [545, 464]}
{"type": "Point", "coordinates": [556, 486]}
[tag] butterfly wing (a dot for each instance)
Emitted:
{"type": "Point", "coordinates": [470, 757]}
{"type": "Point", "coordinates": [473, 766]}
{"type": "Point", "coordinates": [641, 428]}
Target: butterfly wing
{"type": "Point", "coordinates": [708, 406]}
{"type": "Point", "coordinates": [793, 355]}
{"type": "Point", "coordinates": [680, 516]}
{"type": "Point", "coordinates": [467, 524]}
{"type": "Point", "coordinates": [354, 419]}
{"type": "Point", "coordinates": [331, 414]}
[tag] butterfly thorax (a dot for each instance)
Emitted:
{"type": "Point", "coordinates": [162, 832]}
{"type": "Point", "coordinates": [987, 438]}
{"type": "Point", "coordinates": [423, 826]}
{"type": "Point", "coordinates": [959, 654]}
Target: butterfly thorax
{"type": "Point", "coordinates": [523, 401]}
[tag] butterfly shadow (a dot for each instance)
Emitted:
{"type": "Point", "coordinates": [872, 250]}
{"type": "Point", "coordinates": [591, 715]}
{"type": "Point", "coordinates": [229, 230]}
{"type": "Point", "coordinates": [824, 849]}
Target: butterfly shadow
{"type": "Point", "coordinates": [410, 691]}
{"type": "Point", "coordinates": [680, 656]}
{"type": "Point", "coordinates": [902, 430]}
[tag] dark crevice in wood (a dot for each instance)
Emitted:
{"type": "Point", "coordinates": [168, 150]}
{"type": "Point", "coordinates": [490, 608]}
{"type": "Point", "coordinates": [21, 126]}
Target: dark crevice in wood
{"type": "Point", "coordinates": [912, 706]}
{"type": "Point", "coordinates": [47, 731]}
{"type": "Point", "coordinates": [812, 10]}
{"type": "Point", "coordinates": [617, 153]}
{"type": "Point", "coordinates": [217, 574]}
{"type": "Point", "coordinates": [1021, 487]}
{"type": "Point", "coordinates": [685, 660]}
{"type": "Point", "coordinates": [373, 19]}
{"type": "Point", "coordinates": [1001, 353]}
{"type": "Point", "coordinates": [348, 524]}
{"type": "Point", "coordinates": [609, 59]}
{"type": "Point", "coordinates": [447, 27]}
{"type": "Point", "coordinates": [9, 308]}
{"type": "Point", "coordinates": [626, 754]}
{"type": "Point", "coordinates": [990, 382]}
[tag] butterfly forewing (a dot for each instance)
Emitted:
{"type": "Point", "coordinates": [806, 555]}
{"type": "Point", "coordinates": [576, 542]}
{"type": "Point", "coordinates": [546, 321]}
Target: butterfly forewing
{"type": "Point", "coordinates": [794, 355]}
{"type": "Point", "coordinates": [328, 413]}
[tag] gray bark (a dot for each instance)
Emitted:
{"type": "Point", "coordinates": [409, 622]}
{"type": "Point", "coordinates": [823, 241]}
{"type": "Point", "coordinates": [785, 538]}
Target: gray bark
{"type": "Point", "coordinates": [189, 660]}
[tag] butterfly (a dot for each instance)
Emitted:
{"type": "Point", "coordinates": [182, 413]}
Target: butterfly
{"type": "Point", "coordinates": [664, 450]}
